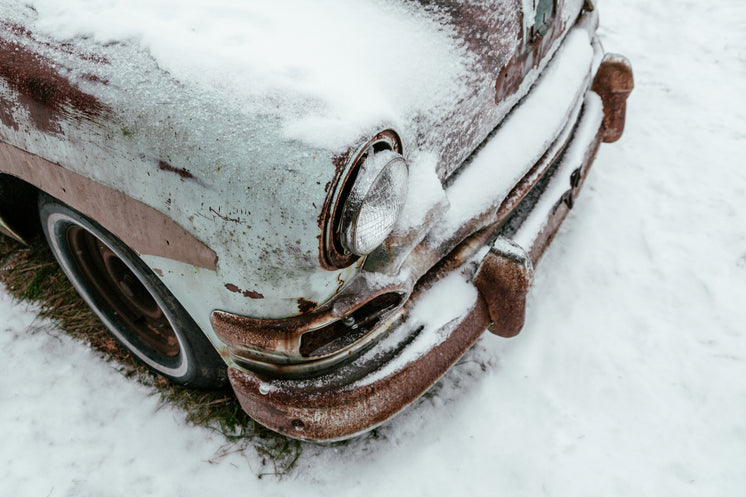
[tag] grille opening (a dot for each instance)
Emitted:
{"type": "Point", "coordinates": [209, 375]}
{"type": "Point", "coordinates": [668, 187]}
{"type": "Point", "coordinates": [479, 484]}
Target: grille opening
{"type": "Point", "coordinates": [346, 331]}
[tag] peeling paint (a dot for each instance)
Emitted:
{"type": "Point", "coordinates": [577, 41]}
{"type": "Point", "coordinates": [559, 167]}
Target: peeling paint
{"type": "Point", "coordinates": [47, 95]}
{"type": "Point", "coordinates": [246, 293]}
{"type": "Point", "coordinates": [252, 295]}
{"type": "Point", "coordinates": [306, 305]}
{"type": "Point", "coordinates": [165, 166]}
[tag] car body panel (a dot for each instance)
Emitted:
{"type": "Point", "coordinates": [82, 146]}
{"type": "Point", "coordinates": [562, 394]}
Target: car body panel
{"type": "Point", "coordinates": [234, 133]}
{"type": "Point", "coordinates": [203, 158]}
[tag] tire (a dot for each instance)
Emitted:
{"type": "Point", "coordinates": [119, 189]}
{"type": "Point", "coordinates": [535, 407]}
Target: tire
{"type": "Point", "coordinates": [129, 298]}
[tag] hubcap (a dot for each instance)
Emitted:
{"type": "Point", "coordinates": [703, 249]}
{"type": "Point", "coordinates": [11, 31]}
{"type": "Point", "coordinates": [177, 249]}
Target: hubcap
{"type": "Point", "coordinates": [127, 298]}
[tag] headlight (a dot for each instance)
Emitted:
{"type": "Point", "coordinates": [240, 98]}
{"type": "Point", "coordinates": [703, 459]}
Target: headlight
{"type": "Point", "coordinates": [375, 202]}
{"type": "Point", "coordinates": [363, 200]}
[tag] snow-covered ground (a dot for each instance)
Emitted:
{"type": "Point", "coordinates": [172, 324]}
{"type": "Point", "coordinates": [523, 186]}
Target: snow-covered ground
{"type": "Point", "coordinates": [628, 380]}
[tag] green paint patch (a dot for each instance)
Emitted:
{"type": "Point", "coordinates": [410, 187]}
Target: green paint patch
{"type": "Point", "coordinates": [128, 132]}
{"type": "Point", "coordinates": [545, 12]}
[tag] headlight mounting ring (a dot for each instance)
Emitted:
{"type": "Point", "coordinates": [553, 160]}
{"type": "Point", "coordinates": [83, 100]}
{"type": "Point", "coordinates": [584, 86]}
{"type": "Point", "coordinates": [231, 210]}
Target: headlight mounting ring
{"type": "Point", "coordinates": [334, 255]}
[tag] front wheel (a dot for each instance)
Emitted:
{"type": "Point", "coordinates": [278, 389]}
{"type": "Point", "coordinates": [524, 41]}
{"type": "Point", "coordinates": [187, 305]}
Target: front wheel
{"type": "Point", "coordinates": [129, 298]}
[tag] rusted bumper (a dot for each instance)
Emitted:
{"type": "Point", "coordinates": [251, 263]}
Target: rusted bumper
{"type": "Point", "coordinates": [361, 394]}
{"type": "Point", "coordinates": [327, 410]}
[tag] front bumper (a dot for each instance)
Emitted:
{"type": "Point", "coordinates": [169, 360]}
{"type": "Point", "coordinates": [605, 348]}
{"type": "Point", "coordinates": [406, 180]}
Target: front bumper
{"type": "Point", "coordinates": [490, 243]}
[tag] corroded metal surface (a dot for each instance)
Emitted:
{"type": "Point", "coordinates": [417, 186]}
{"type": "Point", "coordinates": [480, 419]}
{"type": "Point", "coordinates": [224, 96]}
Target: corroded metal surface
{"type": "Point", "coordinates": [335, 413]}
{"type": "Point", "coordinates": [270, 204]}
{"type": "Point", "coordinates": [536, 40]}
{"type": "Point", "coordinates": [274, 345]}
{"type": "Point", "coordinates": [278, 344]}
{"type": "Point", "coordinates": [43, 91]}
{"type": "Point", "coordinates": [504, 279]}
{"type": "Point", "coordinates": [335, 406]}
{"type": "Point", "coordinates": [614, 82]}
{"type": "Point", "coordinates": [139, 226]}
{"type": "Point", "coordinates": [146, 142]}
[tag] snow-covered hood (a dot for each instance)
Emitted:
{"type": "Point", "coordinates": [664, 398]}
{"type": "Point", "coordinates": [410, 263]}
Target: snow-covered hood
{"type": "Point", "coordinates": [228, 116]}
{"type": "Point", "coordinates": [328, 71]}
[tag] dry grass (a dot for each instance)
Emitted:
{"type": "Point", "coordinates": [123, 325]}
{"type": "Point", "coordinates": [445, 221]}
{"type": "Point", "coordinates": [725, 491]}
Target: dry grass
{"type": "Point", "coordinates": [32, 274]}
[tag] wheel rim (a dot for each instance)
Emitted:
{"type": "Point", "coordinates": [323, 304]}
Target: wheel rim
{"type": "Point", "coordinates": [117, 285]}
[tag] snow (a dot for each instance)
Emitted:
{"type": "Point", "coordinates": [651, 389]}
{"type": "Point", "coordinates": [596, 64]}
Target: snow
{"type": "Point", "coordinates": [437, 312]}
{"type": "Point", "coordinates": [628, 379]}
{"type": "Point", "coordinates": [524, 136]}
{"type": "Point", "coordinates": [583, 136]}
{"type": "Point", "coordinates": [425, 193]}
{"type": "Point", "coordinates": [249, 50]}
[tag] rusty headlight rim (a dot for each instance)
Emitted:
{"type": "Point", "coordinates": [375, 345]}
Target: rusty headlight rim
{"type": "Point", "coordinates": [334, 255]}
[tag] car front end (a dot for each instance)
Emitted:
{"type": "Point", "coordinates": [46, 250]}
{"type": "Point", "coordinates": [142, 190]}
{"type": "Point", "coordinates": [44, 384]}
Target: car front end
{"type": "Point", "coordinates": [449, 270]}
{"type": "Point", "coordinates": [343, 247]}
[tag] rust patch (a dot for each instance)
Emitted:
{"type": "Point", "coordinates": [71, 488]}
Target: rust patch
{"type": "Point", "coordinates": [16, 29]}
{"type": "Point", "coordinates": [94, 79]}
{"type": "Point", "coordinates": [246, 293]}
{"type": "Point", "coordinates": [306, 305]}
{"type": "Point", "coordinates": [614, 82]}
{"type": "Point", "coordinates": [477, 23]}
{"type": "Point", "coordinates": [252, 295]}
{"type": "Point", "coordinates": [159, 272]}
{"type": "Point", "coordinates": [357, 324]}
{"type": "Point", "coordinates": [67, 48]}
{"type": "Point", "coordinates": [48, 96]}
{"type": "Point", "coordinates": [504, 279]}
{"type": "Point", "coordinates": [323, 410]}
{"type": "Point", "coordinates": [528, 56]}
{"type": "Point", "coordinates": [184, 173]}
{"type": "Point", "coordinates": [248, 336]}
{"type": "Point", "coordinates": [489, 32]}
{"type": "Point", "coordinates": [5, 116]}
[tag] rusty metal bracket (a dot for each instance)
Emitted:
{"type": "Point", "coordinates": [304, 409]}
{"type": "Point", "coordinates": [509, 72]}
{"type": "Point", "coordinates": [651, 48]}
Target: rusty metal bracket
{"type": "Point", "coordinates": [614, 82]}
{"type": "Point", "coordinates": [504, 279]}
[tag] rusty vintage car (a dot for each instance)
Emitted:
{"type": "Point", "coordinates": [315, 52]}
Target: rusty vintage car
{"type": "Point", "coordinates": [325, 209]}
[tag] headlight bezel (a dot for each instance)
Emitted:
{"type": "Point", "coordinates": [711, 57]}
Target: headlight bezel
{"type": "Point", "coordinates": [333, 252]}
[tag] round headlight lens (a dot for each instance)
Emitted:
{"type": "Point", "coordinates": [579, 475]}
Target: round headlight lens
{"type": "Point", "coordinates": [375, 202]}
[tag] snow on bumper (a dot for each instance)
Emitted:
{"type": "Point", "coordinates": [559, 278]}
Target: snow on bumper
{"type": "Point", "coordinates": [484, 253]}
